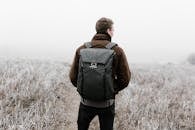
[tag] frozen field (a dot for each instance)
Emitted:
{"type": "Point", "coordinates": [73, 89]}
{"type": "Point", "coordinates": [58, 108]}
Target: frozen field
{"type": "Point", "coordinates": [37, 95]}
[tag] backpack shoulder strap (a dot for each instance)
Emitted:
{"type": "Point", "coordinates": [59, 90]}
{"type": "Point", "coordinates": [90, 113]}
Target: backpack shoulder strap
{"type": "Point", "coordinates": [110, 45]}
{"type": "Point", "coordinates": [88, 44]}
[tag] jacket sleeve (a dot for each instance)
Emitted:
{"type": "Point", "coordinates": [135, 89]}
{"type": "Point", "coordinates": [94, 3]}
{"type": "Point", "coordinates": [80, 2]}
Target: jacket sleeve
{"type": "Point", "coordinates": [123, 72]}
{"type": "Point", "coordinates": [74, 69]}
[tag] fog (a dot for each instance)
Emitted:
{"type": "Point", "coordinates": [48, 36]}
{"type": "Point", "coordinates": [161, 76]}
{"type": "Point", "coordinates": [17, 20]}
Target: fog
{"type": "Point", "coordinates": [148, 31]}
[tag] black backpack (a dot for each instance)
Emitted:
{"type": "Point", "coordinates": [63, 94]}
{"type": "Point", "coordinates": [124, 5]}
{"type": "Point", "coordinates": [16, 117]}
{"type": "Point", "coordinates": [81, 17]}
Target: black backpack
{"type": "Point", "coordinates": [95, 81]}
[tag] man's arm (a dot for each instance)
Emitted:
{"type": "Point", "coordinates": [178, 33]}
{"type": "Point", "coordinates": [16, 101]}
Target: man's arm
{"type": "Point", "coordinates": [123, 72]}
{"type": "Point", "coordinates": [74, 69]}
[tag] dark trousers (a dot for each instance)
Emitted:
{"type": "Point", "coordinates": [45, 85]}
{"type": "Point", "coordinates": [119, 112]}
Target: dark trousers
{"type": "Point", "coordinates": [87, 113]}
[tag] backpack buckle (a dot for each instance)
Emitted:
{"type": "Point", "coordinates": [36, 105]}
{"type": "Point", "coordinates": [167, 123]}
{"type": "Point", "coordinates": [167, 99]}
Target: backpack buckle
{"type": "Point", "coordinates": [93, 66]}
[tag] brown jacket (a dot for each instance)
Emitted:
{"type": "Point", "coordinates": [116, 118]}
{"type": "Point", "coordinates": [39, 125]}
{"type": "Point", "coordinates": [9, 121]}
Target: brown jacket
{"type": "Point", "coordinates": [121, 71]}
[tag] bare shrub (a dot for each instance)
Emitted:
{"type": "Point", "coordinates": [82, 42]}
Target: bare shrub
{"type": "Point", "coordinates": [191, 59]}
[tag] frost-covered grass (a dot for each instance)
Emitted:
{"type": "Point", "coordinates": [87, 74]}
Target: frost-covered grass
{"type": "Point", "coordinates": [37, 95]}
{"type": "Point", "coordinates": [160, 97]}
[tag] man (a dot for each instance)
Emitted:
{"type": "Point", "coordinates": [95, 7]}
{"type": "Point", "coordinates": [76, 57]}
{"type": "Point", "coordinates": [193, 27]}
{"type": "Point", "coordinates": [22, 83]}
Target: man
{"type": "Point", "coordinates": [120, 74]}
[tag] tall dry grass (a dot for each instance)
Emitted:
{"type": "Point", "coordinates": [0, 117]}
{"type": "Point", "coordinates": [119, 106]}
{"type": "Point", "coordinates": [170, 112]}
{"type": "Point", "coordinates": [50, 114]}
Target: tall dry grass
{"type": "Point", "coordinates": [37, 95]}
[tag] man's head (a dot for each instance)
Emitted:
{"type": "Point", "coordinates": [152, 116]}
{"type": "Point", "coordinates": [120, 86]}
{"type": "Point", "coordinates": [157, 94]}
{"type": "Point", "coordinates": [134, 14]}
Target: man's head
{"type": "Point", "coordinates": [105, 25]}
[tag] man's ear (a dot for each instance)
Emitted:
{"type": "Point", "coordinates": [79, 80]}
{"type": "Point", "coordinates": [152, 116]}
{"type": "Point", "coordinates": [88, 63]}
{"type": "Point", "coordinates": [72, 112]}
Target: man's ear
{"type": "Point", "coordinates": [108, 30]}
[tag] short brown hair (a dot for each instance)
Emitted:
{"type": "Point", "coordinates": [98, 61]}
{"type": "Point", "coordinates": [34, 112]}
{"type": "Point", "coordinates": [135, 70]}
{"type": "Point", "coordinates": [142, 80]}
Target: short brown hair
{"type": "Point", "coordinates": [103, 24]}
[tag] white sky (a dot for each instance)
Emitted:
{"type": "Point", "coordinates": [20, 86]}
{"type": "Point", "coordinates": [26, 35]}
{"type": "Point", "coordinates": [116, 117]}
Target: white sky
{"type": "Point", "coordinates": [148, 30]}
